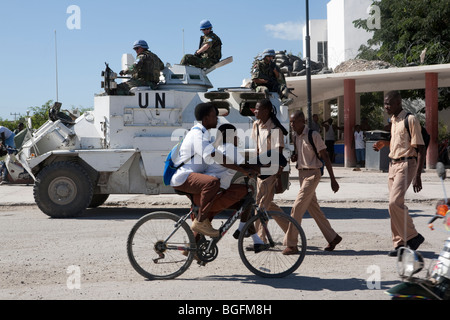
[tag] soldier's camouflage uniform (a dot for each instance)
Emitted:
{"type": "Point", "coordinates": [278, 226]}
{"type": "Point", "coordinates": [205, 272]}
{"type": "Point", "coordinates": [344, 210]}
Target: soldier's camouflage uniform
{"type": "Point", "coordinates": [145, 72]}
{"type": "Point", "coordinates": [265, 71]}
{"type": "Point", "coordinates": [208, 58]}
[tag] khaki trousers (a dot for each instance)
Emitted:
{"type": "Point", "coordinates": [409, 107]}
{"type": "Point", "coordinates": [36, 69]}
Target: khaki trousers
{"type": "Point", "coordinates": [401, 175]}
{"type": "Point", "coordinates": [307, 200]}
{"type": "Point", "coordinates": [264, 200]}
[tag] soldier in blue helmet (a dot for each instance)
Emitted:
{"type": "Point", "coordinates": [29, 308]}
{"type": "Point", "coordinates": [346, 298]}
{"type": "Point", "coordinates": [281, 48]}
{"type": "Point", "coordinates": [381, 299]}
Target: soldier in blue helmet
{"type": "Point", "coordinates": [210, 49]}
{"type": "Point", "coordinates": [145, 72]}
{"type": "Point", "coordinates": [267, 77]}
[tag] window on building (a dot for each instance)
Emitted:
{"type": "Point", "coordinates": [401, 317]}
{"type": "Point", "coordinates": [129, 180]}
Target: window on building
{"type": "Point", "coordinates": [322, 52]}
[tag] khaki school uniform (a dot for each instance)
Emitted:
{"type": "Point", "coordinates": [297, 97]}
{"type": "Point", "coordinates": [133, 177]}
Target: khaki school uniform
{"type": "Point", "coordinates": [267, 137]}
{"type": "Point", "coordinates": [402, 169]}
{"type": "Point", "coordinates": [309, 176]}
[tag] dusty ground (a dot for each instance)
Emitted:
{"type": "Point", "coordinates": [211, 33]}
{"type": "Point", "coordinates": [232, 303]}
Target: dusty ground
{"type": "Point", "coordinates": [40, 258]}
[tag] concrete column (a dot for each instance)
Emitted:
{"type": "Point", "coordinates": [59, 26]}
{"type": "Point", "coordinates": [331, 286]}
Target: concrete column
{"type": "Point", "coordinates": [432, 117]}
{"type": "Point", "coordinates": [349, 121]}
{"type": "Point", "coordinates": [358, 108]}
{"type": "Point", "coordinates": [341, 116]}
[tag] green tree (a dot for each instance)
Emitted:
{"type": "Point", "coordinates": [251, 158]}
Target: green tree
{"type": "Point", "coordinates": [409, 29]}
{"type": "Point", "coordinates": [39, 115]}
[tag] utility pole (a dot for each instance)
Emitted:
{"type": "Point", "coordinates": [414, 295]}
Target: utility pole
{"type": "Point", "coordinates": [15, 115]}
{"type": "Point", "coordinates": [308, 67]}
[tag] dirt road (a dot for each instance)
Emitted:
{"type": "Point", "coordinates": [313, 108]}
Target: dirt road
{"type": "Point", "coordinates": [85, 258]}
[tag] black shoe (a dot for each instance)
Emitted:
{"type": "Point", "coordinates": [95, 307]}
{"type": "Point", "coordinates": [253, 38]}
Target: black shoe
{"type": "Point", "coordinates": [333, 243]}
{"type": "Point", "coordinates": [260, 247]}
{"type": "Point", "coordinates": [237, 233]}
{"type": "Point", "coordinates": [415, 242]}
{"type": "Point", "coordinates": [394, 253]}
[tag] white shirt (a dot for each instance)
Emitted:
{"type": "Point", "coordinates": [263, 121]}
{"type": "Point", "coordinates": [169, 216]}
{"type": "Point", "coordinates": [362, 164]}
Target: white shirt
{"type": "Point", "coordinates": [359, 140]}
{"type": "Point", "coordinates": [224, 174]}
{"type": "Point", "coordinates": [329, 135]}
{"type": "Point", "coordinates": [197, 143]}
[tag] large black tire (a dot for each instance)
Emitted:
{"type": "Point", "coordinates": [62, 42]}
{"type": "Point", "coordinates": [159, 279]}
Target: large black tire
{"type": "Point", "coordinates": [63, 190]}
{"type": "Point", "coordinates": [271, 263]}
{"type": "Point", "coordinates": [98, 200]}
{"type": "Point", "coordinates": [153, 254]}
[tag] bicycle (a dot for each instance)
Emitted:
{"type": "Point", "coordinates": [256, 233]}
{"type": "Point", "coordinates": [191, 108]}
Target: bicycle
{"type": "Point", "coordinates": [162, 246]}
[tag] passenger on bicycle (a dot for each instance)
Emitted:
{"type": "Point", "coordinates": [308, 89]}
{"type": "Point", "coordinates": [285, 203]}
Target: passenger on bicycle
{"type": "Point", "coordinates": [198, 153]}
{"type": "Point", "coordinates": [227, 142]}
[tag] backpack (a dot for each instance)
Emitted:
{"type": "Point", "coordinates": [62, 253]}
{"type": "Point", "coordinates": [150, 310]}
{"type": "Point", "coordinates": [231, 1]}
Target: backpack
{"type": "Point", "coordinates": [311, 142]}
{"type": "Point", "coordinates": [169, 165]}
{"type": "Point", "coordinates": [425, 135]}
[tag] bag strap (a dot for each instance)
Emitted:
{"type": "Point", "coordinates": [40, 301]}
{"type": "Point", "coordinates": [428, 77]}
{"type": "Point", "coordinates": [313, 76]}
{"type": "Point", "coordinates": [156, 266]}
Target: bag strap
{"type": "Point", "coordinates": [311, 142]}
{"type": "Point", "coordinates": [257, 139]}
{"type": "Point", "coordinates": [407, 124]}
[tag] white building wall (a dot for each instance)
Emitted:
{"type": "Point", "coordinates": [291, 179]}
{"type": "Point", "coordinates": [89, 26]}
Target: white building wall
{"type": "Point", "coordinates": [318, 33]}
{"type": "Point", "coordinates": [344, 39]}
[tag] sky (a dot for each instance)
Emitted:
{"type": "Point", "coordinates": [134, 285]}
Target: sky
{"type": "Point", "coordinates": [90, 33]}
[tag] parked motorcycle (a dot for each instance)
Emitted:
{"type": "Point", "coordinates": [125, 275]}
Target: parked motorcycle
{"type": "Point", "coordinates": [436, 284]}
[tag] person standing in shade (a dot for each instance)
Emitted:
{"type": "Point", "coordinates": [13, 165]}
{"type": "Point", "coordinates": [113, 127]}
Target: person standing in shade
{"type": "Point", "coordinates": [407, 154]}
{"type": "Point", "coordinates": [329, 137]}
{"type": "Point", "coordinates": [315, 123]}
{"type": "Point", "coordinates": [308, 165]}
{"type": "Point", "coordinates": [360, 146]}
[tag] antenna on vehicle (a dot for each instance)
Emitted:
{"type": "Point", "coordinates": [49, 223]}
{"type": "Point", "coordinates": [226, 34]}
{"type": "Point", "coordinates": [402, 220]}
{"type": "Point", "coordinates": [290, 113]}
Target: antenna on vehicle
{"type": "Point", "coordinates": [56, 64]}
{"type": "Point", "coordinates": [183, 42]}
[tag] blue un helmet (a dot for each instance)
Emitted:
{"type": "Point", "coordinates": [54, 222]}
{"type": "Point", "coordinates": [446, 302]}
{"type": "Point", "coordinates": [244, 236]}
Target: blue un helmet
{"type": "Point", "coordinates": [205, 24]}
{"type": "Point", "coordinates": [268, 53]}
{"type": "Point", "coordinates": [140, 44]}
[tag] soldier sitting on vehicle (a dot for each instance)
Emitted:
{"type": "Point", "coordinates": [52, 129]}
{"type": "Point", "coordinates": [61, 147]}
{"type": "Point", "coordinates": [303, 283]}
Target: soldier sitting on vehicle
{"type": "Point", "coordinates": [145, 72]}
{"type": "Point", "coordinates": [210, 49]}
{"type": "Point", "coordinates": [267, 77]}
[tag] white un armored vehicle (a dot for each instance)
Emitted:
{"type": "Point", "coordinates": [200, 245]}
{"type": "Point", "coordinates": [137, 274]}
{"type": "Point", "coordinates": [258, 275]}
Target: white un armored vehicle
{"type": "Point", "coordinates": [120, 147]}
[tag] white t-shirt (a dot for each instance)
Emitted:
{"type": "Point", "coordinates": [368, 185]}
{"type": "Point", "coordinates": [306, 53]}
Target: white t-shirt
{"type": "Point", "coordinates": [224, 174]}
{"type": "Point", "coordinates": [359, 140]}
{"type": "Point", "coordinates": [197, 143]}
{"type": "Point", "coordinates": [329, 135]}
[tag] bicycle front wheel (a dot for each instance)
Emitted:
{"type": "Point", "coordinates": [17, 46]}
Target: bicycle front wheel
{"type": "Point", "coordinates": [159, 247]}
{"type": "Point", "coordinates": [270, 262]}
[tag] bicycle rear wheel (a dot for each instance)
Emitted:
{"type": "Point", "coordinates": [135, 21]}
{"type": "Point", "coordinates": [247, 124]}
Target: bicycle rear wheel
{"type": "Point", "coordinates": [271, 263]}
{"type": "Point", "coordinates": [157, 250]}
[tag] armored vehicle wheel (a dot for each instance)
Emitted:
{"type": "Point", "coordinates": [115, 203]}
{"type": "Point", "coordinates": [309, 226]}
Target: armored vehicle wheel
{"type": "Point", "coordinates": [63, 190]}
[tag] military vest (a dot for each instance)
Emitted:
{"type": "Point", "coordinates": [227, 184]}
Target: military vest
{"type": "Point", "coordinates": [147, 67]}
{"type": "Point", "coordinates": [214, 53]}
